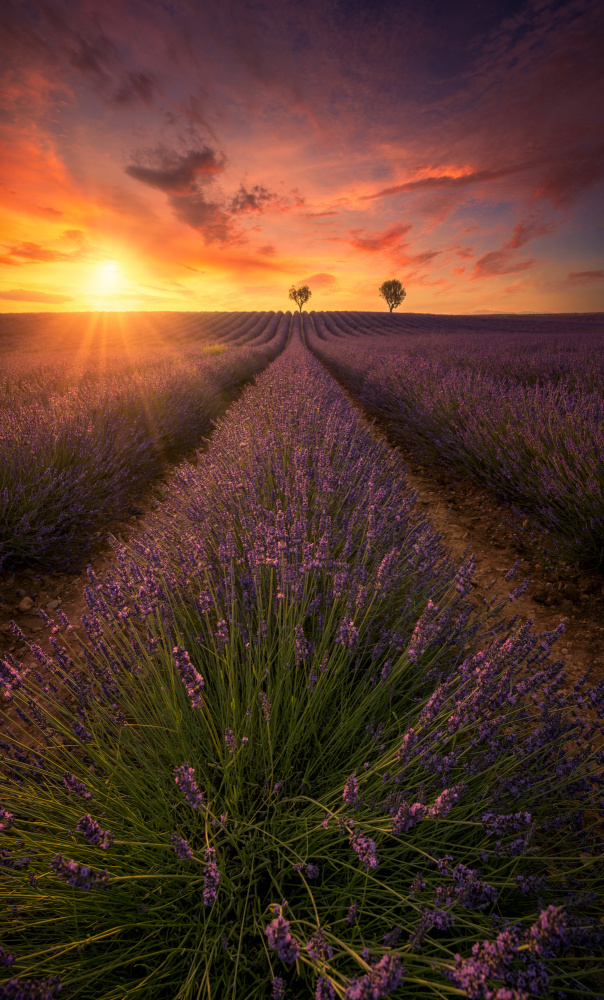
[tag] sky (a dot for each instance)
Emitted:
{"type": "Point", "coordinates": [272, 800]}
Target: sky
{"type": "Point", "coordinates": [209, 154]}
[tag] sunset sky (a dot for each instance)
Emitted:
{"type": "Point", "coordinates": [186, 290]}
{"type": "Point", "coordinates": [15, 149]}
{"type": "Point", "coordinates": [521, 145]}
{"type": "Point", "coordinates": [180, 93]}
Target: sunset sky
{"type": "Point", "coordinates": [208, 154]}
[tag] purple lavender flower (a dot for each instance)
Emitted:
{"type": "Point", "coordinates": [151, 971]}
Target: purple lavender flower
{"type": "Point", "coordinates": [278, 991]}
{"type": "Point", "coordinates": [211, 877]}
{"type": "Point", "coordinates": [6, 820]}
{"type": "Point", "coordinates": [6, 958]}
{"type": "Point", "coordinates": [265, 705]}
{"type": "Point", "coordinates": [181, 848]}
{"type": "Point", "coordinates": [318, 948]}
{"type": "Point", "coordinates": [531, 883]}
{"type": "Point", "coordinates": [31, 989]}
{"type": "Point", "coordinates": [222, 633]}
{"type": "Point", "coordinates": [393, 937]}
{"type": "Point", "coordinates": [548, 935]}
{"type": "Point", "coordinates": [470, 891]}
{"type": "Point", "coordinates": [446, 800]}
{"type": "Point", "coordinates": [93, 833]}
{"type": "Point", "coordinates": [426, 631]}
{"type": "Point", "coordinates": [365, 848]}
{"type": "Point", "coordinates": [440, 919]}
{"type": "Point", "coordinates": [353, 912]}
{"type": "Point", "coordinates": [183, 776]}
{"type": "Point", "coordinates": [192, 680]}
{"type": "Point", "coordinates": [383, 979]}
{"type": "Point", "coordinates": [351, 790]}
{"type": "Point", "coordinates": [409, 741]}
{"type": "Point", "coordinates": [418, 885]}
{"type": "Point", "coordinates": [325, 990]}
{"type": "Point", "coordinates": [78, 876]}
{"type": "Point", "coordinates": [312, 871]}
{"type": "Point", "coordinates": [229, 739]}
{"type": "Point", "coordinates": [302, 647]}
{"type": "Point", "coordinates": [498, 824]}
{"type": "Point", "coordinates": [407, 816]}
{"type": "Point", "coordinates": [281, 941]}
{"type": "Point", "coordinates": [347, 634]}
{"type": "Point", "coordinates": [312, 680]}
{"type": "Point", "coordinates": [82, 734]}
{"type": "Point", "coordinates": [324, 664]}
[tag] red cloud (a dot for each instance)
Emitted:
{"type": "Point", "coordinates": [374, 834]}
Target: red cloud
{"type": "Point", "coordinates": [582, 277]}
{"type": "Point", "coordinates": [388, 240]}
{"type": "Point", "coordinates": [499, 262]}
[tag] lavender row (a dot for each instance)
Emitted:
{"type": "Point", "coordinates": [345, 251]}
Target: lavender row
{"type": "Point", "coordinates": [542, 348]}
{"type": "Point", "coordinates": [289, 753]}
{"type": "Point", "coordinates": [80, 456]}
{"type": "Point", "coordinates": [538, 447]}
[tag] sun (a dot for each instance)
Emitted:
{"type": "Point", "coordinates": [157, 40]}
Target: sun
{"type": "Point", "coordinates": [108, 277]}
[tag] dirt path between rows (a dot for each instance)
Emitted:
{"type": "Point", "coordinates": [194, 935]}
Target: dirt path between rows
{"type": "Point", "coordinates": [473, 521]}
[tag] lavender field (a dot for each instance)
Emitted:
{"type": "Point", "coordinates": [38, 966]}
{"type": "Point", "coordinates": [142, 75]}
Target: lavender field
{"type": "Point", "coordinates": [289, 756]}
{"type": "Point", "coordinates": [516, 403]}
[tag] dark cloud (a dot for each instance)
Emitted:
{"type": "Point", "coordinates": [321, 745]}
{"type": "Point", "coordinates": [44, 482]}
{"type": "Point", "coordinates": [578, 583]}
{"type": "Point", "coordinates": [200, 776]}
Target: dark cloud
{"type": "Point", "coordinates": [255, 200]}
{"type": "Point", "coordinates": [136, 86]}
{"type": "Point", "coordinates": [388, 240]}
{"type": "Point", "coordinates": [92, 56]}
{"type": "Point", "coordinates": [22, 295]}
{"type": "Point", "coordinates": [207, 217]}
{"type": "Point", "coordinates": [178, 173]}
{"type": "Point", "coordinates": [584, 277]}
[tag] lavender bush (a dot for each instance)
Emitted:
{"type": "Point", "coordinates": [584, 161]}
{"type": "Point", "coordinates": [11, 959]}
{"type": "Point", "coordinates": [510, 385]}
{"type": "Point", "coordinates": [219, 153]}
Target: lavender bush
{"type": "Point", "coordinates": [80, 453]}
{"type": "Point", "coordinates": [531, 430]}
{"type": "Point", "coordinates": [292, 758]}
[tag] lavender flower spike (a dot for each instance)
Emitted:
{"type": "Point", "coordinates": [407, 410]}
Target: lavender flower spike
{"type": "Point", "coordinates": [211, 877]}
{"type": "Point", "coordinates": [6, 820]}
{"type": "Point", "coordinates": [351, 790]}
{"type": "Point", "coordinates": [265, 705]}
{"type": "Point", "coordinates": [365, 849]}
{"type": "Point", "coordinates": [379, 982]}
{"type": "Point", "coordinates": [325, 990]}
{"type": "Point", "coordinates": [181, 848]}
{"type": "Point", "coordinates": [192, 680]}
{"type": "Point", "coordinates": [93, 833]}
{"type": "Point", "coordinates": [77, 876]}
{"type": "Point", "coordinates": [183, 776]}
{"type": "Point", "coordinates": [281, 941]}
{"type": "Point", "coordinates": [278, 991]}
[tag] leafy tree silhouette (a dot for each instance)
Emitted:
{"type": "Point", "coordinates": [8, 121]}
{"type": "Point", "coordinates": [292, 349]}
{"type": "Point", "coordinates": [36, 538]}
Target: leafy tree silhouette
{"type": "Point", "coordinates": [393, 292]}
{"type": "Point", "coordinates": [300, 295]}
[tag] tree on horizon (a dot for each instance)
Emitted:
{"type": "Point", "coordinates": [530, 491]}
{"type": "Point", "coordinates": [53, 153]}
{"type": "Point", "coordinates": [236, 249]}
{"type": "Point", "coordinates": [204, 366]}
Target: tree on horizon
{"type": "Point", "coordinates": [393, 292]}
{"type": "Point", "coordinates": [300, 295]}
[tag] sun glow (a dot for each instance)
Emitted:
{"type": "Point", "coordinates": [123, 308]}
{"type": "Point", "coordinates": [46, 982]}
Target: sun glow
{"type": "Point", "coordinates": [107, 278]}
